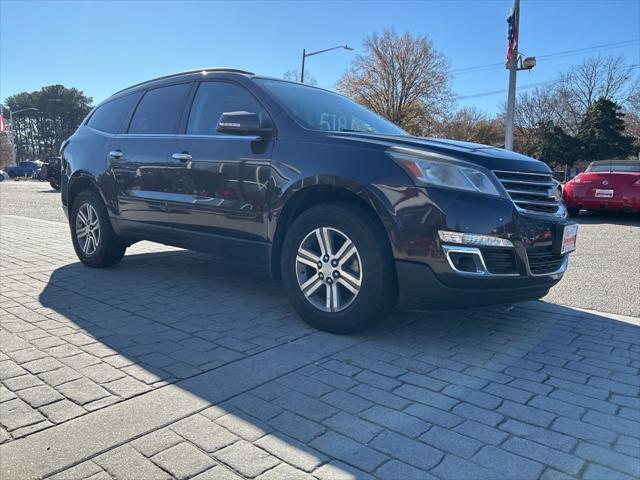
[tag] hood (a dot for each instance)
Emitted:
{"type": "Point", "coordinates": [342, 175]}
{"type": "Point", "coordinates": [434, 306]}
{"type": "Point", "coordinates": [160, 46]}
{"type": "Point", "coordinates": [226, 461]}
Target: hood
{"type": "Point", "coordinates": [486, 156]}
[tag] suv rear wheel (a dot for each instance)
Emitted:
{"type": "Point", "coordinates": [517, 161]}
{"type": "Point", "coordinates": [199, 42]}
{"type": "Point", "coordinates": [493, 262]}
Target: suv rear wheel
{"type": "Point", "coordinates": [94, 241]}
{"type": "Point", "coordinates": [337, 268]}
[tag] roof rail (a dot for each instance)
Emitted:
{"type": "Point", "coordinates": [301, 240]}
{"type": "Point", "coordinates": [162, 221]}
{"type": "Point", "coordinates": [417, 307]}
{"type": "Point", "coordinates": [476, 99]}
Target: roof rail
{"type": "Point", "coordinates": [186, 72]}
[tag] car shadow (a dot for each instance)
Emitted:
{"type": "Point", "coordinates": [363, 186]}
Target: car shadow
{"type": "Point", "coordinates": [169, 317]}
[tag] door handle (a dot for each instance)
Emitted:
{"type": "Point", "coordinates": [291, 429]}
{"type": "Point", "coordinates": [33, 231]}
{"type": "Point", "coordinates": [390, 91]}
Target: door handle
{"type": "Point", "coordinates": [116, 154]}
{"type": "Point", "coordinates": [182, 156]}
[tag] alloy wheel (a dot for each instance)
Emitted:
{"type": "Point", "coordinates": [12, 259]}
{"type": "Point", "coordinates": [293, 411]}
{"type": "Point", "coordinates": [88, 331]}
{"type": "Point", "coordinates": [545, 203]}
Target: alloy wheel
{"type": "Point", "coordinates": [329, 269]}
{"type": "Point", "coordinates": [87, 229]}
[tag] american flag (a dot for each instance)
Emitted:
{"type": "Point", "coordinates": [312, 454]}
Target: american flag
{"type": "Point", "coordinates": [512, 48]}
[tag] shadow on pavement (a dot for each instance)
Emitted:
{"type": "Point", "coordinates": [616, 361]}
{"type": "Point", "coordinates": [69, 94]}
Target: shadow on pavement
{"type": "Point", "coordinates": [173, 316]}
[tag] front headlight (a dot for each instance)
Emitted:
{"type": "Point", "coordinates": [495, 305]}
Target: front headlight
{"type": "Point", "coordinates": [428, 168]}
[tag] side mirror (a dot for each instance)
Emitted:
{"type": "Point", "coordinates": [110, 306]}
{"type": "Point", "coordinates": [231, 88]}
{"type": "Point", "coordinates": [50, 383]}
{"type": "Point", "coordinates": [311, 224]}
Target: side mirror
{"type": "Point", "coordinates": [243, 123]}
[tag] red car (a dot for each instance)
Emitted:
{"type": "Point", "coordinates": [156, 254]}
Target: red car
{"type": "Point", "coordinates": [604, 185]}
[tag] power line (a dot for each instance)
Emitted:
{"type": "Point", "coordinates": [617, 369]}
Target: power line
{"type": "Point", "coordinates": [522, 87]}
{"type": "Point", "coordinates": [566, 53]}
{"type": "Point", "coordinates": [495, 92]}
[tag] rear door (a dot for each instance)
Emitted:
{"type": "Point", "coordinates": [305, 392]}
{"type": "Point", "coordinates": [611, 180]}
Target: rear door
{"type": "Point", "coordinates": [138, 159]}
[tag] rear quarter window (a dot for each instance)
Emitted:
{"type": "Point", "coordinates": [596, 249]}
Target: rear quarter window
{"type": "Point", "coordinates": [109, 117]}
{"type": "Point", "coordinates": [159, 110]}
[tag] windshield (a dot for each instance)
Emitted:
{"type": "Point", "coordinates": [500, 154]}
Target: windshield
{"type": "Point", "coordinates": [322, 110]}
{"type": "Point", "coordinates": [614, 167]}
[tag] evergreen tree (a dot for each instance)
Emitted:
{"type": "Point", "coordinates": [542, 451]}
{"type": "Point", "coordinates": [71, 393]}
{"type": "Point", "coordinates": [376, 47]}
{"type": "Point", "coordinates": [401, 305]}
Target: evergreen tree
{"type": "Point", "coordinates": [602, 132]}
{"type": "Point", "coordinates": [554, 146]}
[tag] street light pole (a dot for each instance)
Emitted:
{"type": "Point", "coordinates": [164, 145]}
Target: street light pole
{"type": "Point", "coordinates": [513, 71]}
{"type": "Point", "coordinates": [305, 55]}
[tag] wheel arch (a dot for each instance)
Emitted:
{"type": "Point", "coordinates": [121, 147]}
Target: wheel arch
{"type": "Point", "coordinates": [79, 182]}
{"type": "Point", "coordinates": [302, 198]}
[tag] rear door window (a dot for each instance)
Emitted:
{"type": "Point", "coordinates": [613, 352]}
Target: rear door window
{"type": "Point", "coordinates": [215, 98]}
{"type": "Point", "coordinates": [159, 110]}
{"type": "Point", "coordinates": [109, 117]}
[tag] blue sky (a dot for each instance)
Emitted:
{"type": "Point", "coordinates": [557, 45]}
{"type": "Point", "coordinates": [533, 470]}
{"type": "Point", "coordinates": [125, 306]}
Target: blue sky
{"type": "Point", "coordinates": [101, 47]}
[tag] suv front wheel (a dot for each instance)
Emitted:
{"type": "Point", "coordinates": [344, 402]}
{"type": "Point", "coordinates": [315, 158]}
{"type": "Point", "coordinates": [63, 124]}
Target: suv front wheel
{"type": "Point", "coordinates": [337, 268]}
{"type": "Point", "coordinates": [94, 241]}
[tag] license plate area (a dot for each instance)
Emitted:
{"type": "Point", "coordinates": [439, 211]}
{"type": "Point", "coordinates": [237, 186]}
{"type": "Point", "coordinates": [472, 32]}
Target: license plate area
{"type": "Point", "coordinates": [569, 237]}
{"type": "Point", "coordinates": [603, 193]}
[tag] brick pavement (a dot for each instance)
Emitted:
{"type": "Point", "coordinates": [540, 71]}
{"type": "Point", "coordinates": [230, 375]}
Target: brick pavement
{"type": "Point", "coordinates": [174, 366]}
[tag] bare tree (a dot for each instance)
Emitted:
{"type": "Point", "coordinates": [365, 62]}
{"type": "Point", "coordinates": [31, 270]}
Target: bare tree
{"type": "Point", "coordinates": [565, 102]}
{"type": "Point", "coordinates": [540, 106]}
{"type": "Point", "coordinates": [401, 77]}
{"type": "Point", "coordinates": [294, 76]}
{"type": "Point", "coordinates": [537, 106]}
{"type": "Point", "coordinates": [632, 118]}
{"type": "Point", "coordinates": [472, 125]}
{"type": "Point", "coordinates": [611, 78]}
{"type": "Point", "coordinates": [600, 77]}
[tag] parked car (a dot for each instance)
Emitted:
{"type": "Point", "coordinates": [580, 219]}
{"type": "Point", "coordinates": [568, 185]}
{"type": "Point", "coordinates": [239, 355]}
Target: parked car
{"type": "Point", "coordinates": [40, 174]}
{"type": "Point", "coordinates": [605, 185]}
{"type": "Point", "coordinates": [51, 172]}
{"type": "Point", "coordinates": [347, 209]}
{"type": "Point", "coordinates": [3, 175]}
{"type": "Point", "coordinates": [24, 169]}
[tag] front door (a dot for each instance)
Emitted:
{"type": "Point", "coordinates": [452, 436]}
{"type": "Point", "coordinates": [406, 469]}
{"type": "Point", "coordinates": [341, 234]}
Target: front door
{"type": "Point", "coordinates": [138, 159]}
{"type": "Point", "coordinates": [218, 183]}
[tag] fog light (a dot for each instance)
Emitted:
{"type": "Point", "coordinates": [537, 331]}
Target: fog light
{"type": "Point", "coordinates": [464, 262]}
{"type": "Point", "coordinates": [473, 239]}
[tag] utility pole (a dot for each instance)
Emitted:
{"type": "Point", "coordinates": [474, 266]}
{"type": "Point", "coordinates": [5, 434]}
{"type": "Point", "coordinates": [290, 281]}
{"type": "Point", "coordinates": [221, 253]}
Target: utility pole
{"type": "Point", "coordinates": [512, 65]}
{"type": "Point", "coordinates": [304, 55]}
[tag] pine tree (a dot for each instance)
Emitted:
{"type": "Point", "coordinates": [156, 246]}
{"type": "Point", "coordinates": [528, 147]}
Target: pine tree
{"type": "Point", "coordinates": [554, 146]}
{"type": "Point", "coordinates": [602, 132]}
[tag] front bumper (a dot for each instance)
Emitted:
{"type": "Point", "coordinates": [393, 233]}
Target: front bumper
{"type": "Point", "coordinates": [420, 289]}
{"type": "Point", "coordinates": [427, 277]}
{"type": "Point", "coordinates": [630, 205]}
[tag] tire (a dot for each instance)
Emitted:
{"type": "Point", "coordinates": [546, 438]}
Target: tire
{"type": "Point", "coordinates": [371, 265]}
{"type": "Point", "coordinates": [54, 185]}
{"type": "Point", "coordinates": [573, 211]}
{"type": "Point", "coordinates": [106, 249]}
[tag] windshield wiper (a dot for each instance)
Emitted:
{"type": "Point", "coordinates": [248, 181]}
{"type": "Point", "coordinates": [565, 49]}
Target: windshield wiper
{"type": "Point", "coordinates": [355, 131]}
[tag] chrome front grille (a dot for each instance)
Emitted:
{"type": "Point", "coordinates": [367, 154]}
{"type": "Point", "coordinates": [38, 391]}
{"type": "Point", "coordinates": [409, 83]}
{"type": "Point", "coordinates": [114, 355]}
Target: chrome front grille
{"type": "Point", "coordinates": [533, 192]}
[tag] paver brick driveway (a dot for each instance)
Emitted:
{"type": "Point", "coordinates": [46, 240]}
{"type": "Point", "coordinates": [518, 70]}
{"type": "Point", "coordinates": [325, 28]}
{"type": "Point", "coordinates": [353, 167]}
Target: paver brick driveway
{"type": "Point", "coordinates": [174, 366]}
